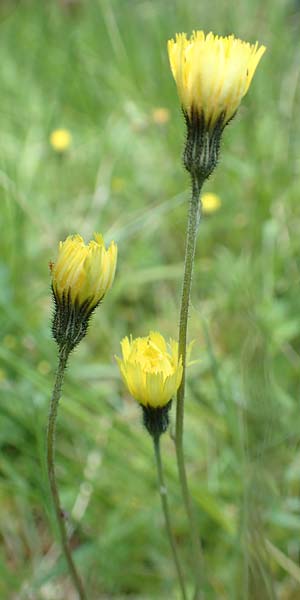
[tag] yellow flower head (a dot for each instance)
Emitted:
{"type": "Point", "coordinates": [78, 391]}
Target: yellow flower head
{"type": "Point", "coordinates": [212, 73]}
{"type": "Point", "coordinates": [83, 274]}
{"type": "Point", "coordinates": [151, 370]}
{"type": "Point", "coordinates": [60, 140]}
{"type": "Point", "coordinates": [210, 203]}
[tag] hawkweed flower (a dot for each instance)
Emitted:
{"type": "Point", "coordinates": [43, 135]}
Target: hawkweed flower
{"type": "Point", "coordinates": [212, 75]}
{"type": "Point", "coordinates": [210, 203]}
{"type": "Point", "coordinates": [152, 371]}
{"type": "Point", "coordinates": [81, 276]}
{"type": "Point", "coordinates": [60, 140]}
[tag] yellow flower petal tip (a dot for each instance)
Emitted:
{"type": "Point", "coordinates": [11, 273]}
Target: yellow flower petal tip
{"type": "Point", "coordinates": [151, 369]}
{"type": "Point", "coordinates": [212, 73]}
{"type": "Point", "coordinates": [83, 274]}
{"type": "Point", "coordinates": [210, 203]}
{"type": "Point", "coordinates": [60, 140]}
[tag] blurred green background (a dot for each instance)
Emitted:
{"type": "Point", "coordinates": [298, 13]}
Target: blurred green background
{"type": "Point", "coordinates": [99, 68]}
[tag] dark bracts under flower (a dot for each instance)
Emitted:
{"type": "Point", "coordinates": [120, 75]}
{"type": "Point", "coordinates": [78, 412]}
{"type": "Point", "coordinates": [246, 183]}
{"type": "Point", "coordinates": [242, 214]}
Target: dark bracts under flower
{"type": "Point", "coordinates": [156, 420]}
{"type": "Point", "coordinates": [202, 147]}
{"type": "Point", "coordinates": [70, 320]}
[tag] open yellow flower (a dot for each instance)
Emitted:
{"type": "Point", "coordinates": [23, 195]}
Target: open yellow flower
{"type": "Point", "coordinates": [151, 370]}
{"type": "Point", "coordinates": [212, 73]}
{"type": "Point", "coordinates": [83, 274]}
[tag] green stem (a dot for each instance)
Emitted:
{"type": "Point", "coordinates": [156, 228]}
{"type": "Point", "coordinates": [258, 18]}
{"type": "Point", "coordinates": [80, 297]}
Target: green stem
{"type": "Point", "coordinates": [51, 430]}
{"type": "Point", "coordinates": [166, 511]}
{"type": "Point", "coordinates": [191, 237]}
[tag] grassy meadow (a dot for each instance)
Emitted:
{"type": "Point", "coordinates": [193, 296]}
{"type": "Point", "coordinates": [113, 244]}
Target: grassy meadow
{"type": "Point", "coordinates": [99, 69]}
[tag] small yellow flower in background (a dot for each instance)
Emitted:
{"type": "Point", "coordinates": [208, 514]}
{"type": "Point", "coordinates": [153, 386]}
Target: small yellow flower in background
{"type": "Point", "coordinates": [212, 73]}
{"type": "Point", "coordinates": [60, 140]}
{"type": "Point", "coordinates": [151, 370]}
{"type": "Point", "coordinates": [160, 116]}
{"type": "Point", "coordinates": [44, 367]}
{"type": "Point", "coordinates": [210, 203]}
{"type": "Point", "coordinates": [83, 274]}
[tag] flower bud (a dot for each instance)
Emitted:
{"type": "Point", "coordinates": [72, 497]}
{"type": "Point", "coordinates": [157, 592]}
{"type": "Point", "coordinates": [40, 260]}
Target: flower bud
{"type": "Point", "coordinates": [81, 277]}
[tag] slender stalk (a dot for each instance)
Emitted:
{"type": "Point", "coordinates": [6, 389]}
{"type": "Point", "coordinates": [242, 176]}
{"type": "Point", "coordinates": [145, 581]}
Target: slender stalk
{"type": "Point", "coordinates": [191, 237]}
{"type": "Point", "coordinates": [166, 511]}
{"type": "Point", "coordinates": [51, 430]}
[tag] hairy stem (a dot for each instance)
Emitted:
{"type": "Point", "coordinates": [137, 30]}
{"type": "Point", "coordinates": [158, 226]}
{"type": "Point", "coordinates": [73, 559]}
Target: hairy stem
{"type": "Point", "coordinates": [191, 237]}
{"type": "Point", "coordinates": [51, 430]}
{"type": "Point", "coordinates": [166, 511]}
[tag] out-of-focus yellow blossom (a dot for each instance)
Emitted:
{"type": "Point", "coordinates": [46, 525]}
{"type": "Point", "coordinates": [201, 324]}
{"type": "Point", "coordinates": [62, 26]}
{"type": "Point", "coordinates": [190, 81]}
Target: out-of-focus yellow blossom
{"type": "Point", "coordinates": [83, 274]}
{"type": "Point", "coordinates": [212, 73]}
{"type": "Point", "coordinates": [160, 116]}
{"type": "Point", "coordinates": [44, 367]}
{"type": "Point", "coordinates": [60, 140]}
{"type": "Point", "coordinates": [151, 370]}
{"type": "Point", "coordinates": [210, 203]}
